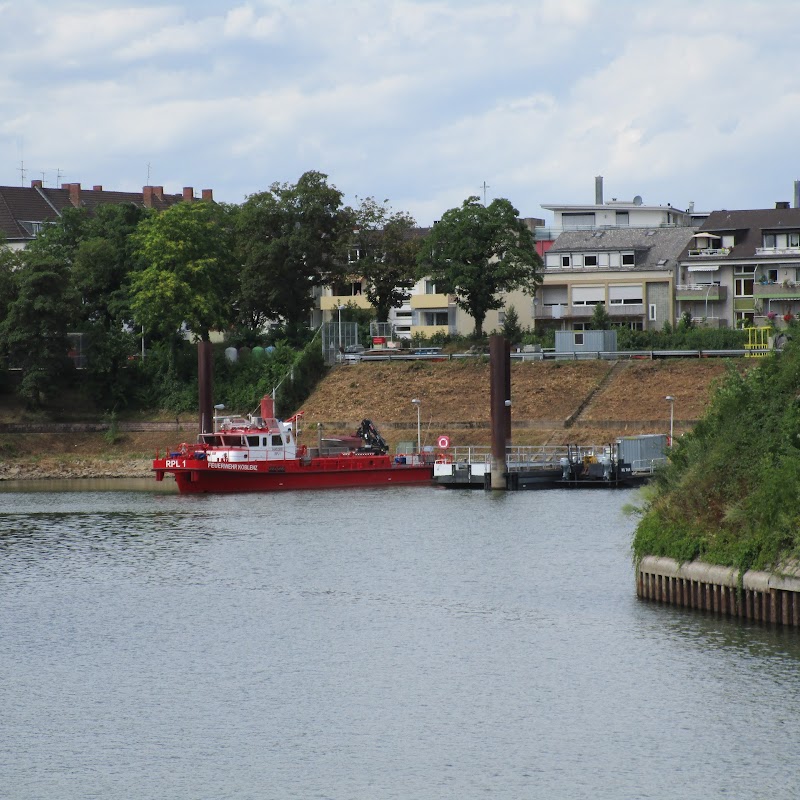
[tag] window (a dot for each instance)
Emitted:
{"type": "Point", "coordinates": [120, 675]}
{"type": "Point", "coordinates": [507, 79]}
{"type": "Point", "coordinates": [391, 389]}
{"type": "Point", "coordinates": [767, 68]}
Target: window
{"type": "Point", "coordinates": [565, 261]}
{"type": "Point", "coordinates": [435, 318]}
{"type": "Point", "coordinates": [622, 219]}
{"type": "Point", "coordinates": [590, 261]}
{"type": "Point", "coordinates": [743, 287]}
{"type": "Point", "coordinates": [770, 240]}
{"type": "Point", "coordinates": [277, 441]}
{"type": "Point", "coordinates": [430, 287]}
{"type": "Point", "coordinates": [575, 221]}
{"type": "Point", "coordinates": [793, 239]}
{"type": "Point", "coordinates": [578, 338]}
{"type": "Point", "coordinates": [651, 314]}
{"type": "Point", "coordinates": [628, 260]}
{"type": "Point", "coordinates": [501, 317]}
{"type": "Point", "coordinates": [588, 295]}
{"type": "Point", "coordinates": [625, 295]}
{"type": "Point", "coordinates": [772, 275]}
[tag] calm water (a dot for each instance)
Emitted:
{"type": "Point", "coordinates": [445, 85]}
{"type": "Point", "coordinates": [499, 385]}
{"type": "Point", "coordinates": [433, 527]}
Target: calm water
{"type": "Point", "coordinates": [399, 643]}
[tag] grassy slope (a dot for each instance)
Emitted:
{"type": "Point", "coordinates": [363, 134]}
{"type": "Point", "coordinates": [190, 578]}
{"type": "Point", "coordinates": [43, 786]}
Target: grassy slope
{"type": "Point", "coordinates": [730, 495]}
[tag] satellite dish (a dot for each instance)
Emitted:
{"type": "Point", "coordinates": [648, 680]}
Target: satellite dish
{"type": "Point", "coordinates": [637, 201]}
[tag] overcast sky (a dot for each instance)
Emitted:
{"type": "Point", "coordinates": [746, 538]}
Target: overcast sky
{"type": "Point", "coordinates": [418, 102]}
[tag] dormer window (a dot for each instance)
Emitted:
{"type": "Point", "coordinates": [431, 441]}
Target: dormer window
{"type": "Point", "coordinates": [590, 261]}
{"type": "Point", "coordinates": [793, 239]}
{"type": "Point", "coordinates": [628, 260]}
{"type": "Point", "coordinates": [565, 261]}
{"type": "Point", "coordinates": [770, 241]}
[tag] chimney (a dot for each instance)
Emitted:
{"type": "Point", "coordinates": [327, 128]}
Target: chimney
{"type": "Point", "coordinates": [158, 193]}
{"type": "Point", "coordinates": [147, 196]}
{"type": "Point", "coordinates": [782, 204]}
{"type": "Point", "coordinates": [74, 194]}
{"type": "Point", "coordinates": [188, 193]}
{"type": "Point", "coordinates": [36, 184]}
{"type": "Point", "coordinates": [208, 195]}
{"type": "Point", "coordinates": [598, 190]}
{"type": "Point", "coordinates": [97, 188]}
{"type": "Point", "coordinates": [797, 194]}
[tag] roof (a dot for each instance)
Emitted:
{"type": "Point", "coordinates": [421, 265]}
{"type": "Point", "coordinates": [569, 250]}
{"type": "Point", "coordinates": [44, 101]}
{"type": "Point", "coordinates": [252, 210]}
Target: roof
{"type": "Point", "coordinates": [23, 208]}
{"type": "Point", "coordinates": [656, 248]}
{"type": "Point", "coordinates": [749, 227]}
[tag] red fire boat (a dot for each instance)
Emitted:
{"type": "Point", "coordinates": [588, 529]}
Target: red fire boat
{"type": "Point", "coordinates": [260, 453]}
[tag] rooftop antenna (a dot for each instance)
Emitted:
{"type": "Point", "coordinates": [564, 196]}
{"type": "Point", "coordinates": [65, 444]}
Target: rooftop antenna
{"type": "Point", "coordinates": [21, 172]}
{"type": "Point", "coordinates": [148, 174]}
{"type": "Point", "coordinates": [485, 186]}
{"type": "Point", "coordinates": [59, 176]}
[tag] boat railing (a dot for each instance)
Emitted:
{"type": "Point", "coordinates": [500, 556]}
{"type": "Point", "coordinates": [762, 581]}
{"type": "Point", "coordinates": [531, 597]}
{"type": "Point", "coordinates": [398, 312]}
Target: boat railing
{"type": "Point", "coordinates": [648, 466]}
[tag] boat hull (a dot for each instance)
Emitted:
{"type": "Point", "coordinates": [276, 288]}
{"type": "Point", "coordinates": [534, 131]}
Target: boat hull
{"type": "Point", "coordinates": [198, 476]}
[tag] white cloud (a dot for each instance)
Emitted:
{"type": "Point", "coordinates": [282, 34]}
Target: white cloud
{"type": "Point", "coordinates": [416, 100]}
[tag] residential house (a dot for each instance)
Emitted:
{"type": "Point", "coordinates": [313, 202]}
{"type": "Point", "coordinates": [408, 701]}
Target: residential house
{"type": "Point", "coordinates": [742, 267]}
{"type": "Point", "coordinates": [622, 254]}
{"type": "Point", "coordinates": [629, 270]}
{"type": "Point", "coordinates": [24, 210]}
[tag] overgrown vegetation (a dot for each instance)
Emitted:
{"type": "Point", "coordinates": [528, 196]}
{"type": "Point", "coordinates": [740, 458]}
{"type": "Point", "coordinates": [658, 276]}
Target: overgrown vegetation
{"type": "Point", "coordinates": [729, 494]}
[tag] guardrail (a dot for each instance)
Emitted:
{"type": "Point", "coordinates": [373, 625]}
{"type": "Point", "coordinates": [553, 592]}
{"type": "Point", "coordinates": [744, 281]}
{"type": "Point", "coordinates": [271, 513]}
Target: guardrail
{"type": "Point", "coordinates": [593, 355]}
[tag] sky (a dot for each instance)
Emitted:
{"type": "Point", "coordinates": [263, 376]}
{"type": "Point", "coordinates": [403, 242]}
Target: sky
{"type": "Point", "coordinates": [421, 103]}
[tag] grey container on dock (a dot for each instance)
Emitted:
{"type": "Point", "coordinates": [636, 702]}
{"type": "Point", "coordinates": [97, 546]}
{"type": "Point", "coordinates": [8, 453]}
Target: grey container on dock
{"type": "Point", "coordinates": [641, 451]}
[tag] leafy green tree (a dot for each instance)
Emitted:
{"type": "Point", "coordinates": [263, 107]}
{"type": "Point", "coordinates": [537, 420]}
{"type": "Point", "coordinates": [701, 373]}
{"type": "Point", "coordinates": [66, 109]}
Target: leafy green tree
{"type": "Point", "coordinates": [478, 252]}
{"type": "Point", "coordinates": [187, 274]}
{"type": "Point", "coordinates": [289, 241]}
{"type": "Point", "coordinates": [600, 321]}
{"type": "Point", "coordinates": [383, 251]}
{"type": "Point", "coordinates": [34, 329]}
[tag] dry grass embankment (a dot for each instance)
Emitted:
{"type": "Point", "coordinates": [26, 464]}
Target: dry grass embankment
{"type": "Point", "coordinates": [553, 402]}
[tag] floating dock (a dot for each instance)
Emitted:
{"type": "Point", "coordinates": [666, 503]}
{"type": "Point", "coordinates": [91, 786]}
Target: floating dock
{"type": "Point", "coordinates": [765, 597]}
{"type": "Point", "coordinates": [628, 461]}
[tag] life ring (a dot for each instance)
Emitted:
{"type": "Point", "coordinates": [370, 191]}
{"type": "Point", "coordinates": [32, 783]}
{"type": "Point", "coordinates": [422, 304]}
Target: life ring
{"type": "Point", "coordinates": [443, 442]}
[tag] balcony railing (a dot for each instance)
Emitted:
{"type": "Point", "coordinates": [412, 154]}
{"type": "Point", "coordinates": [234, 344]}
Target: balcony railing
{"type": "Point", "coordinates": [709, 252]}
{"type": "Point", "coordinates": [584, 312]}
{"type": "Point", "coordinates": [693, 292]}
{"type": "Point", "coordinates": [787, 290]}
{"type": "Point", "coordinates": [778, 251]}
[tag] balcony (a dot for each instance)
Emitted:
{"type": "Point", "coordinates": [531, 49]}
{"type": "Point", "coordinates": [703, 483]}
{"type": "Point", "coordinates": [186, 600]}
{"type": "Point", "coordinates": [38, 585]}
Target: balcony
{"type": "Point", "coordinates": [626, 310]}
{"type": "Point", "coordinates": [787, 290]}
{"type": "Point", "coordinates": [701, 292]}
{"type": "Point", "coordinates": [429, 330]}
{"type": "Point", "coordinates": [429, 301]}
{"type": "Point", "coordinates": [709, 252]}
{"type": "Point", "coordinates": [778, 251]}
{"type": "Point", "coordinates": [332, 302]}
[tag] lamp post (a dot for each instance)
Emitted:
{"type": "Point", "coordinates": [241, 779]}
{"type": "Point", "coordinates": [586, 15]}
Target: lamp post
{"type": "Point", "coordinates": [418, 403]}
{"type": "Point", "coordinates": [671, 400]}
{"type": "Point", "coordinates": [340, 307]}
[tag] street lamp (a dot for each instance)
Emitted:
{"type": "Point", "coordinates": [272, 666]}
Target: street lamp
{"type": "Point", "coordinates": [418, 403]}
{"type": "Point", "coordinates": [340, 328]}
{"type": "Point", "coordinates": [671, 400]}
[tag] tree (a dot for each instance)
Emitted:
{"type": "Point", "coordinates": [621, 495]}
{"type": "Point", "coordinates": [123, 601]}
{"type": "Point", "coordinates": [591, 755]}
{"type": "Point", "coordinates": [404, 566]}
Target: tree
{"type": "Point", "coordinates": [511, 328]}
{"type": "Point", "coordinates": [289, 241]}
{"type": "Point", "coordinates": [34, 329]}
{"type": "Point", "coordinates": [478, 252]}
{"type": "Point", "coordinates": [601, 321]}
{"type": "Point", "coordinates": [383, 251]}
{"type": "Point", "coordinates": [187, 273]}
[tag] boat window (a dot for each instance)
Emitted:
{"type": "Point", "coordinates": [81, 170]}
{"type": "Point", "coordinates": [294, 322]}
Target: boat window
{"type": "Point", "coordinates": [232, 441]}
{"type": "Point", "coordinates": [277, 441]}
{"type": "Point", "coordinates": [264, 442]}
{"type": "Point", "coordinates": [252, 441]}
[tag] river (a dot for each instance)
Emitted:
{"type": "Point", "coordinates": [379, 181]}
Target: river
{"type": "Point", "coordinates": [387, 643]}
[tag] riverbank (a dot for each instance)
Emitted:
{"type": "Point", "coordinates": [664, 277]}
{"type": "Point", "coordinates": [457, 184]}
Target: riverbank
{"type": "Point", "coordinates": [553, 403]}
